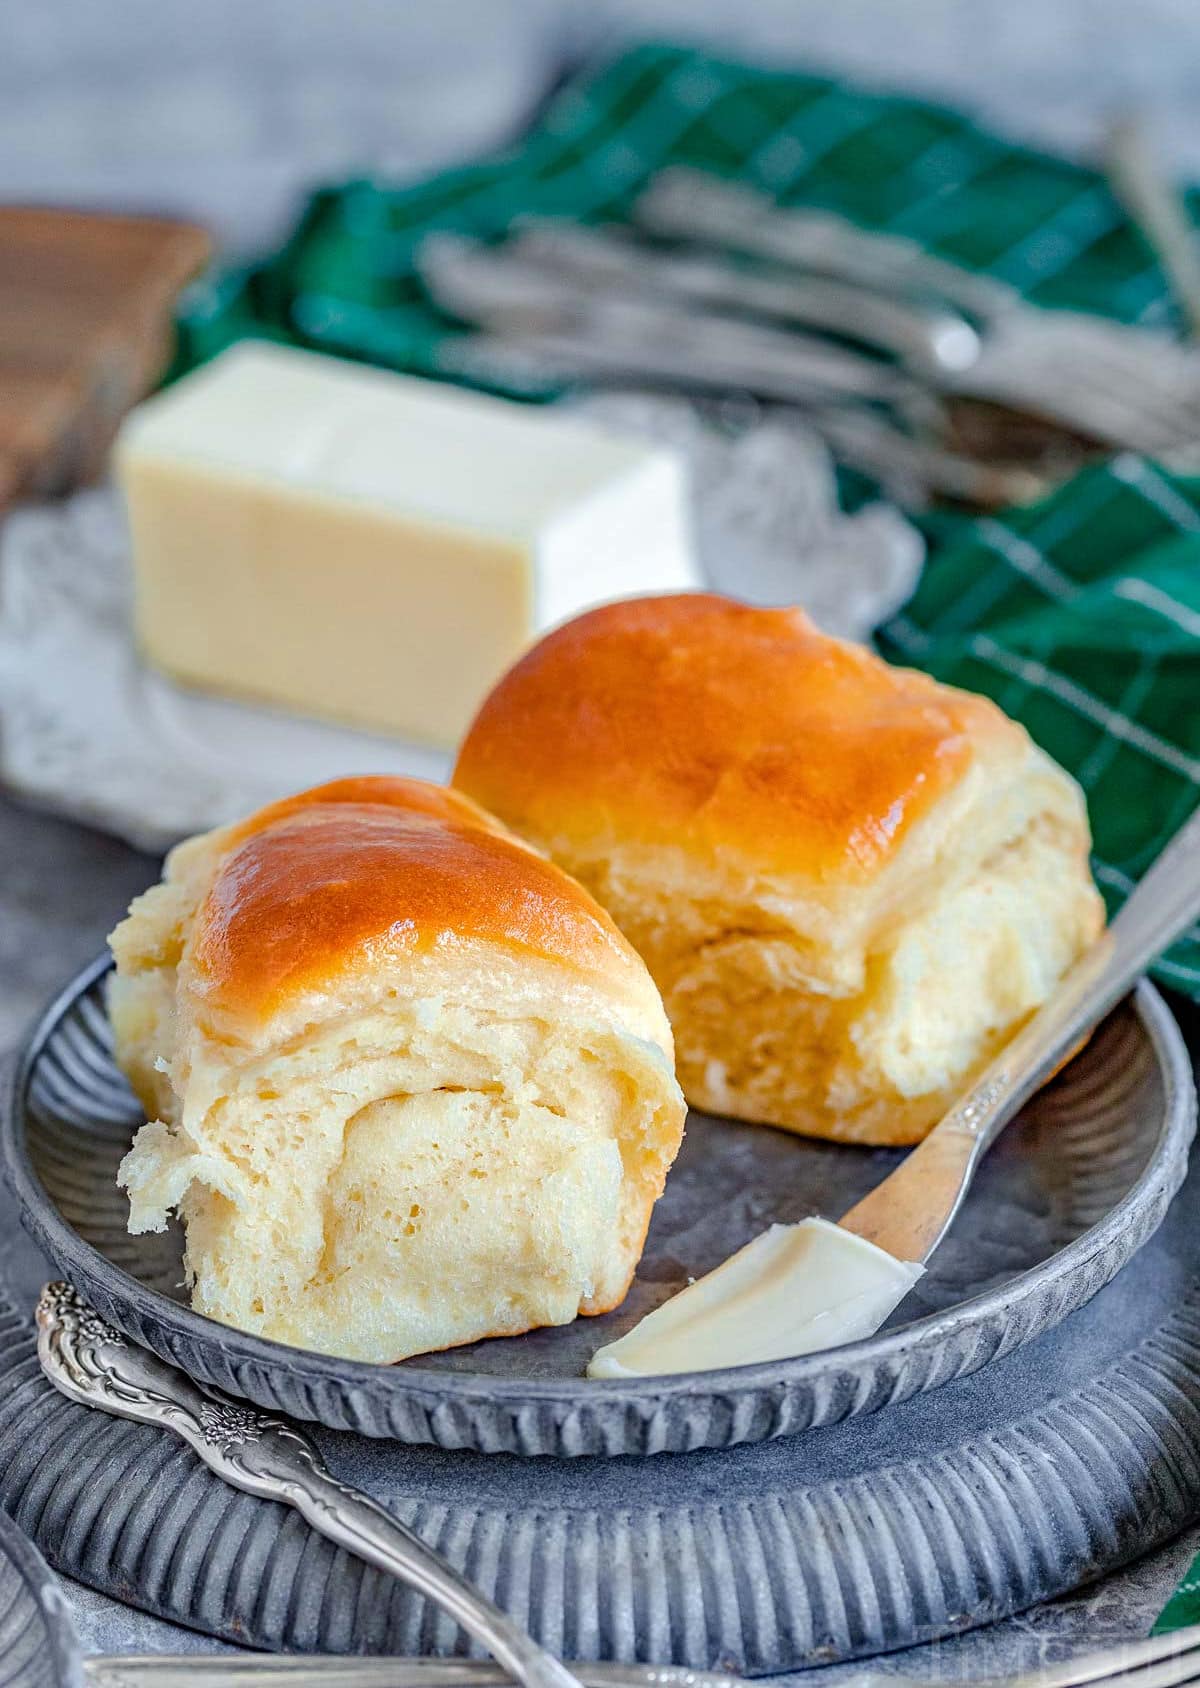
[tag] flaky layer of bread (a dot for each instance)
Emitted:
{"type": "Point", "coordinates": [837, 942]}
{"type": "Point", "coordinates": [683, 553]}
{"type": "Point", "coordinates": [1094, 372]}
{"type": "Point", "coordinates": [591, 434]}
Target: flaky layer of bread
{"type": "Point", "coordinates": [850, 883]}
{"type": "Point", "coordinates": [407, 1085]}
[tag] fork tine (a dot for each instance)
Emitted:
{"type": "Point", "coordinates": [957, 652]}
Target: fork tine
{"type": "Point", "coordinates": [1175, 1658]}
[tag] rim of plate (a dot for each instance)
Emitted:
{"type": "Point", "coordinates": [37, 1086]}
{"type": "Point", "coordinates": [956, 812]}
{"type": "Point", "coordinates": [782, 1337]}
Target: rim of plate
{"type": "Point", "coordinates": [1161, 1176]}
{"type": "Point", "coordinates": [61, 1642]}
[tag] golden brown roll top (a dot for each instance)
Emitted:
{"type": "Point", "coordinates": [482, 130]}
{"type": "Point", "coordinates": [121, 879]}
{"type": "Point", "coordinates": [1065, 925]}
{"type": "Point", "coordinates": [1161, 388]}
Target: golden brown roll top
{"type": "Point", "coordinates": [850, 883]}
{"type": "Point", "coordinates": [407, 1085]}
{"type": "Point", "coordinates": [697, 721]}
{"type": "Point", "coordinates": [359, 873]}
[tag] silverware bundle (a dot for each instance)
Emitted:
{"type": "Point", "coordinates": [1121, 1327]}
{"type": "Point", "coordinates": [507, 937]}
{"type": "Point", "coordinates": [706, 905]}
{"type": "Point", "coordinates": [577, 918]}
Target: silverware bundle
{"type": "Point", "coordinates": [934, 379]}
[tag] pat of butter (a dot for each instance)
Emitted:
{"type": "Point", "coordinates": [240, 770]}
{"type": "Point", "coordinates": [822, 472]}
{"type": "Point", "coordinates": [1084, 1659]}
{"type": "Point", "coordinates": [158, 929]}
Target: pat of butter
{"type": "Point", "coordinates": [376, 548]}
{"type": "Point", "coordinates": [793, 1290]}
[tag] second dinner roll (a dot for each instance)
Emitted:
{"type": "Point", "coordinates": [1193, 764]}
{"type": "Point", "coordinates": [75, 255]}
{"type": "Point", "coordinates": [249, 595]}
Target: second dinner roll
{"type": "Point", "coordinates": [407, 1084]}
{"type": "Point", "coordinates": [850, 883]}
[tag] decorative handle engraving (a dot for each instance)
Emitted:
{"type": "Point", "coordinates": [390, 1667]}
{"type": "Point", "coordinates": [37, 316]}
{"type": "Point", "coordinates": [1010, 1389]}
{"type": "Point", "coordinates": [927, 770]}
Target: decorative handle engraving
{"type": "Point", "coordinates": [89, 1361]}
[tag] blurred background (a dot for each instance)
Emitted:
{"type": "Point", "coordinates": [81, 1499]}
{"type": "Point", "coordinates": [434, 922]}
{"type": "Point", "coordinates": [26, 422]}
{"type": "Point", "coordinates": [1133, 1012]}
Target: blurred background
{"type": "Point", "coordinates": [228, 110]}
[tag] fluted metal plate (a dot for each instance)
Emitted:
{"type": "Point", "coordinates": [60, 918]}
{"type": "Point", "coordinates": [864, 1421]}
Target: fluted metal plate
{"type": "Point", "coordinates": [38, 1648]}
{"type": "Point", "coordinates": [1072, 1191]}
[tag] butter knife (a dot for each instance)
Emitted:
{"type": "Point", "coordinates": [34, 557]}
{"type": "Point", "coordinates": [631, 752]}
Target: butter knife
{"type": "Point", "coordinates": [910, 1211]}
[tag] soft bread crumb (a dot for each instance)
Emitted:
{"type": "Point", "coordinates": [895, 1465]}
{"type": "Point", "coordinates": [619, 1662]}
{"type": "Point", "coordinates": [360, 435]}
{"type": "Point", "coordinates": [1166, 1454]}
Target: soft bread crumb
{"type": "Point", "coordinates": [445, 1145]}
{"type": "Point", "coordinates": [870, 1035]}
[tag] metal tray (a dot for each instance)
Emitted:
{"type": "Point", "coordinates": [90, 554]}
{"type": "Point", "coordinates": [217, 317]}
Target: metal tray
{"type": "Point", "coordinates": [38, 1646]}
{"type": "Point", "coordinates": [1072, 1191]}
{"type": "Point", "coordinates": [1043, 1471]}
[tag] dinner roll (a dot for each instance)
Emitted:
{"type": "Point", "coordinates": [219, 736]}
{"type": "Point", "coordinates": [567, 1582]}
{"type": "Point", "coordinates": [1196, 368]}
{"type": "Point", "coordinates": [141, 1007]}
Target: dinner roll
{"type": "Point", "coordinates": [408, 1085]}
{"type": "Point", "coordinates": [851, 883]}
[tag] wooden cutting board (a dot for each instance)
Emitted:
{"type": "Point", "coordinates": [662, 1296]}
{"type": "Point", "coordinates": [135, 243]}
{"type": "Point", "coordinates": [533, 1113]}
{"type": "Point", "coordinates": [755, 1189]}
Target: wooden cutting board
{"type": "Point", "coordinates": [86, 305]}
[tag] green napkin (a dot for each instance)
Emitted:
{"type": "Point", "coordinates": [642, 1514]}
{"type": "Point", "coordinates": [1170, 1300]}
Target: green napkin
{"type": "Point", "coordinates": [346, 282]}
{"type": "Point", "coordinates": [1183, 1608]}
{"type": "Point", "coordinates": [1081, 615]}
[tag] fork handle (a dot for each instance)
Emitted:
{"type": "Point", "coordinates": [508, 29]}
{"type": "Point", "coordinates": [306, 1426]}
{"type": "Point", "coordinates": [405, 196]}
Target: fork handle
{"type": "Point", "coordinates": [930, 340]}
{"type": "Point", "coordinates": [323, 1671]}
{"type": "Point", "coordinates": [364, 1528]}
{"type": "Point", "coordinates": [272, 1458]}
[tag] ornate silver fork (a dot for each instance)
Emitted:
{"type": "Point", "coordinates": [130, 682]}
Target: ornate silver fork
{"type": "Point", "coordinates": [323, 1670]}
{"type": "Point", "coordinates": [90, 1362]}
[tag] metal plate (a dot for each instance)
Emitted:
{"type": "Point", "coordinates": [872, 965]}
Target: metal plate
{"type": "Point", "coordinates": [38, 1647]}
{"type": "Point", "coordinates": [1043, 1471]}
{"type": "Point", "coordinates": [1074, 1188]}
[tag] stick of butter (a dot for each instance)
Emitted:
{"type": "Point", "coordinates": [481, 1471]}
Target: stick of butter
{"type": "Point", "coordinates": [376, 548]}
{"type": "Point", "coordinates": [793, 1290]}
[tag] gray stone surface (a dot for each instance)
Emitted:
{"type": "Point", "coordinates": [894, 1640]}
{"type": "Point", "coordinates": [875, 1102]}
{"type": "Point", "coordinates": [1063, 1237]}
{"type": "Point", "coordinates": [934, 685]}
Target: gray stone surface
{"type": "Point", "coordinates": [229, 111]}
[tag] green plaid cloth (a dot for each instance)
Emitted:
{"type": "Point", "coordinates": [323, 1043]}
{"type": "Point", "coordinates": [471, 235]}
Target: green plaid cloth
{"type": "Point", "coordinates": [346, 281]}
{"type": "Point", "coordinates": [1081, 615]}
{"type": "Point", "coordinates": [1183, 1608]}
